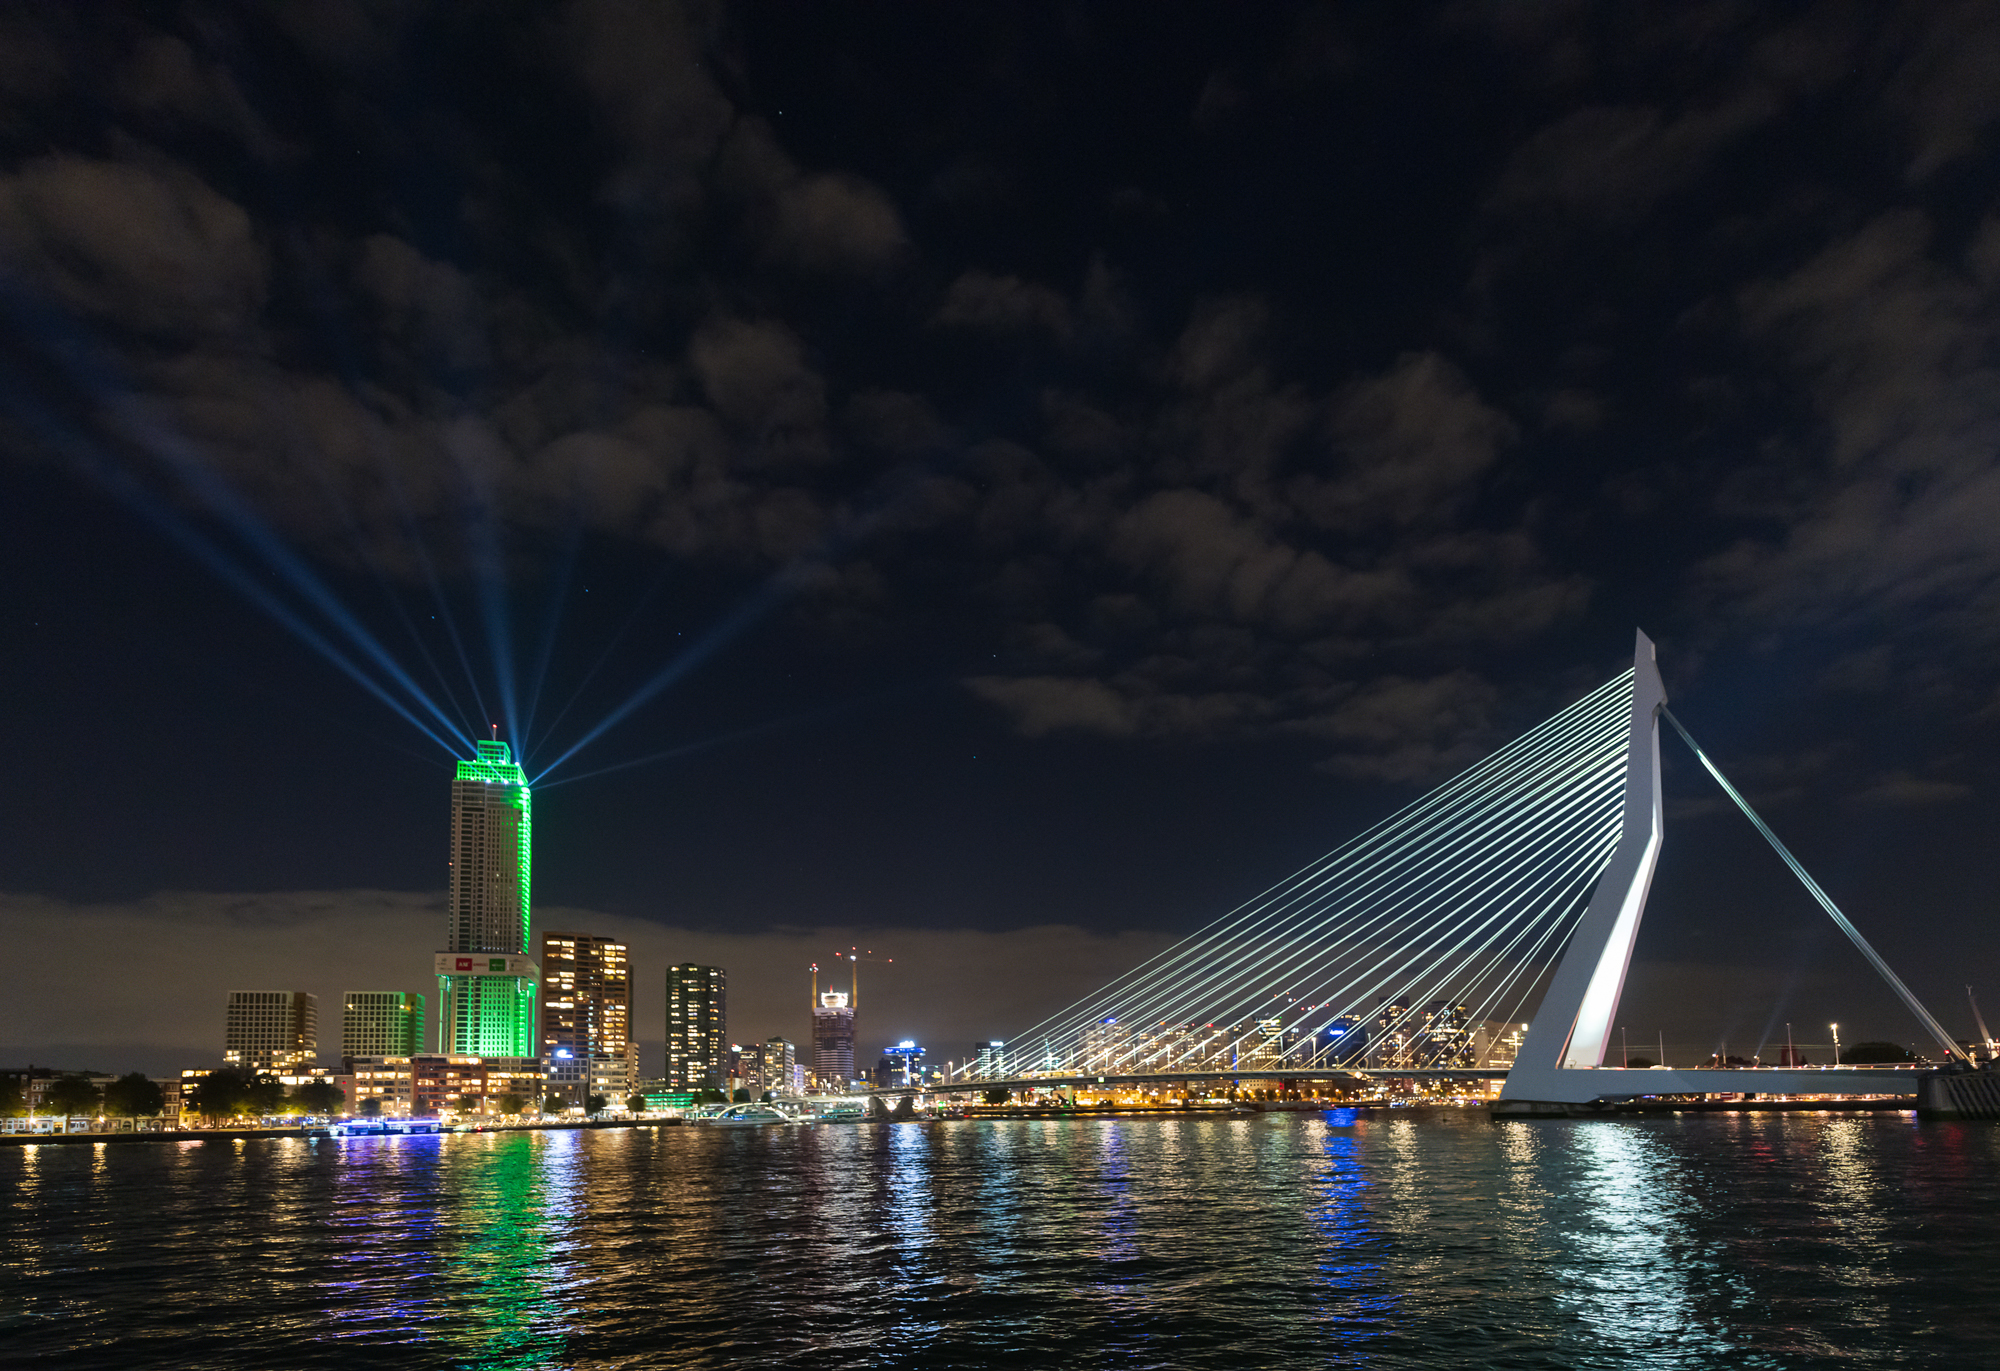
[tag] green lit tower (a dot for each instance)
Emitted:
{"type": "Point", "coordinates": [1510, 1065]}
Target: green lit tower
{"type": "Point", "coordinates": [486, 984]}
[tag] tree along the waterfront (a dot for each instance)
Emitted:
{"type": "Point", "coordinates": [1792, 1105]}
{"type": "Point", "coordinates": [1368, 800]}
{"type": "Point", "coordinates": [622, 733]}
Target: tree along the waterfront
{"type": "Point", "coordinates": [319, 1097]}
{"type": "Point", "coordinates": [1875, 1054]}
{"type": "Point", "coordinates": [232, 1094]}
{"type": "Point", "coordinates": [510, 1103]}
{"type": "Point", "coordinates": [132, 1096]}
{"type": "Point", "coordinates": [71, 1095]}
{"type": "Point", "coordinates": [596, 1104]}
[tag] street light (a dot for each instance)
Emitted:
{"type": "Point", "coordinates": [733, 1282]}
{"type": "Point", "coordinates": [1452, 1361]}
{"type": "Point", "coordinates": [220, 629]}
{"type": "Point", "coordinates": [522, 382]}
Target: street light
{"type": "Point", "coordinates": [1836, 1042]}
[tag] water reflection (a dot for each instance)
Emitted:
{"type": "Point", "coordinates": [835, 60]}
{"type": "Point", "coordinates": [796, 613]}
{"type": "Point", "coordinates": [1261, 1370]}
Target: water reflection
{"type": "Point", "coordinates": [1633, 1269]}
{"type": "Point", "coordinates": [1355, 1300]}
{"type": "Point", "coordinates": [1343, 1239]}
{"type": "Point", "coordinates": [458, 1241]}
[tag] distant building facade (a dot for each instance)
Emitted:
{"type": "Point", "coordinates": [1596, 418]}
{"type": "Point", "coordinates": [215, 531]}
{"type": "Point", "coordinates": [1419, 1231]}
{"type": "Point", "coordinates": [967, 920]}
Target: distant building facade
{"type": "Point", "coordinates": [427, 1084]}
{"type": "Point", "coordinates": [901, 1066]}
{"type": "Point", "coordinates": [586, 1008]}
{"type": "Point", "coordinates": [381, 1023]}
{"type": "Point", "coordinates": [697, 1026]}
{"type": "Point", "coordinates": [271, 1030]}
{"type": "Point", "coordinates": [771, 1065]}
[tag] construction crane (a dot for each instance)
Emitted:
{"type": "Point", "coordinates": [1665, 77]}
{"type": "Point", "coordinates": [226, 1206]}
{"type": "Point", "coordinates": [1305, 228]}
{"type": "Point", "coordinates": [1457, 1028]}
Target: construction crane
{"type": "Point", "coordinates": [854, 956]}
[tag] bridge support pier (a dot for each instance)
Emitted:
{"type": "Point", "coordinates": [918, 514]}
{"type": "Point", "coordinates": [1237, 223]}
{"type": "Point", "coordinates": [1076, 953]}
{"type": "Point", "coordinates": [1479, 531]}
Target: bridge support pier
{"type": "Point", "coordinates": [1549, 1109]}
{"type": "Point", "coordinates": [1947, 1095]}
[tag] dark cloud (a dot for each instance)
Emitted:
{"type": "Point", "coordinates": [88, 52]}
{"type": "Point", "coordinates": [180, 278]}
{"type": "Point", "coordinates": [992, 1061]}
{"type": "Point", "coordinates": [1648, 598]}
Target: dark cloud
{"type": "Point", "coordinates": [1413, 440]}
{"type": "Point", "coordinates": [145, 247]}
{"type": "Point", "coordinates": [1895, 348]}
{"type": "Point", "coordinates": [1901, 790]}
{"type": "Point", "coordinates": [1617, 162]}
{"type": "Point", "coordinates": [1002, 304]}
{"type": "Point", "coordinates": [1948, 90]}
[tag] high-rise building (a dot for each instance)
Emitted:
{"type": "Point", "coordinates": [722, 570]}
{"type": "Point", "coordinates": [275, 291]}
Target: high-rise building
{"type": "Point", "coordinates": [271, 1030]}
{"type": "Point", "coordinates": [486, 983]}
{"type": "Point", "coordinates": [781, 1067]}
{"type": "Point", "coordinates": [833, 1041]}
{"type": "Point", "coordinates": [586, 1012]}
{"type": "Point", "coordinates": [989, 1059]}
{"type": "Point", "coordinates": [381, 1023]}
{"type": "Point", "coordinates": [697, 1041]}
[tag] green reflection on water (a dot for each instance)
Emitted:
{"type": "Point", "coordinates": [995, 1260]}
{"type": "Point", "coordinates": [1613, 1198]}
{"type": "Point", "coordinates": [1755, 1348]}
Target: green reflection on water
{"type": "Point", "coordinates": [516, 1194]}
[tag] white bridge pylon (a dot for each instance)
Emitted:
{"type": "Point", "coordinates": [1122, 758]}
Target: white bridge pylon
{"type": "Point", "coordinates": [1558, 1062]}
{"type": "Point", "coordinates": [1573, 1027]}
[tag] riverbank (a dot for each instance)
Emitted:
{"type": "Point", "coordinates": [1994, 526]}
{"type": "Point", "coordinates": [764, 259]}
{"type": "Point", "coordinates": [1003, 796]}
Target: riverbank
{"type": "Point", "coordinates": [1623, 1109]}
{"type": "Point", "coordinates": [231, 1134]}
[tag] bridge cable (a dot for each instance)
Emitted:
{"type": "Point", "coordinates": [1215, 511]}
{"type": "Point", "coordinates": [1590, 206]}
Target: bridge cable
{"type": "Point", "coordinates": [1936, 1029]}
{"type": "Point", "coordinates": [1369, 914]}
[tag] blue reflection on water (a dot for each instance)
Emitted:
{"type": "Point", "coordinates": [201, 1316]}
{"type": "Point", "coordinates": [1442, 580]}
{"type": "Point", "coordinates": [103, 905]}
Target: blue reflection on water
{"type": "Point", "coordinates": [384, 1257]}
{"type": "Point", "coordinates": [1120, 1215]}
{"type": "Point", "coordinates": [1358, 1300]}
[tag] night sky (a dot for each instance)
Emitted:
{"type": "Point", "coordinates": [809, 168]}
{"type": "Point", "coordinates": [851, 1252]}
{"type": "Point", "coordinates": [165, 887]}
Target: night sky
{"type": "Point", "coordinates": [1030, 477]}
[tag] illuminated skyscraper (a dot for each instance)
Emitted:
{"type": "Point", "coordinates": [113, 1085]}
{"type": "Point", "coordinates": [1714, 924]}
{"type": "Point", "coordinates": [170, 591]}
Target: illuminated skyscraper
{"type": "Point", "coordinates": [697, 1041]}
{"type": "Point", "coordinates": [381, 1023]}
{"type": "Point", "coordinates": [486, 983]}
{"type": "Point", "coordinates": [271, 1030]}
{"type": "Point", "coordinates": [587, 1012]}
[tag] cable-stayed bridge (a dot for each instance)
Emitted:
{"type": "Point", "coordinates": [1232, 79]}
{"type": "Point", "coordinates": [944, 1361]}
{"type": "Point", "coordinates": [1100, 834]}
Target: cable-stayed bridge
{"type": "Point", "coordinates": [1491, 920]}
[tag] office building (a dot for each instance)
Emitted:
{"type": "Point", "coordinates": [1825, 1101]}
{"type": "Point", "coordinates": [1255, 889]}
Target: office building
{"type": "Point", "coordinates": [989, 1059]}
{"type": "Point", "coordinates": [901, 1065]}
{"type": "Point", "coordinates": [381, 1023]}
{"type": "Point", "coordinates": [587, 1016]}
{"type": "Point", "coordinates": [697, 1037]}
{"type": "Point", "coordinates": [271, 1030]}
{"type": "Point", "coordinates": [486, 982]}
{"type": "Point", "coordinates": [781, 1068]}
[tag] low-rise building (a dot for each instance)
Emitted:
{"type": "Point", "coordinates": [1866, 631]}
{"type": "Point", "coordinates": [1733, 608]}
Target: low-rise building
{"type": "Point", "coordinates": [428, 1084]}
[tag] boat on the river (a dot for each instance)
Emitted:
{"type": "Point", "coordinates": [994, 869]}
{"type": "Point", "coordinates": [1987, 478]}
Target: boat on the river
{"type": "Point", "coordinates": [376, 1128]}
{"type": "Point", "coordinates": [751, 1116]}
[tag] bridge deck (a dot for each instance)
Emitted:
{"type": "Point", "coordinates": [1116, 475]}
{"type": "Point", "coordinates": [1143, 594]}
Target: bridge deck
{"type": "Point", "coordinates": [1615, 1082]}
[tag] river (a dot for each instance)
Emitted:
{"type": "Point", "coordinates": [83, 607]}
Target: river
{"type": "Point", "coordinates": [1407, 1238]}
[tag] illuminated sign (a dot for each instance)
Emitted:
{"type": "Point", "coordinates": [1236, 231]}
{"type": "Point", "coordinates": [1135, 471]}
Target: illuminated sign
{"type": "Point", "coordinates": [484, 964]}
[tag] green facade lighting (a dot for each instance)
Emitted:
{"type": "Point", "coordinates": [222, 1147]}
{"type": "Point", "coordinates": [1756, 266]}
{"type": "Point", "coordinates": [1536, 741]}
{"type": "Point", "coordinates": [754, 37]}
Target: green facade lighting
{"type": "Point", "coordinates": [486, 1015]}
{"type": "Point", "coordinates": [486, 985]}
